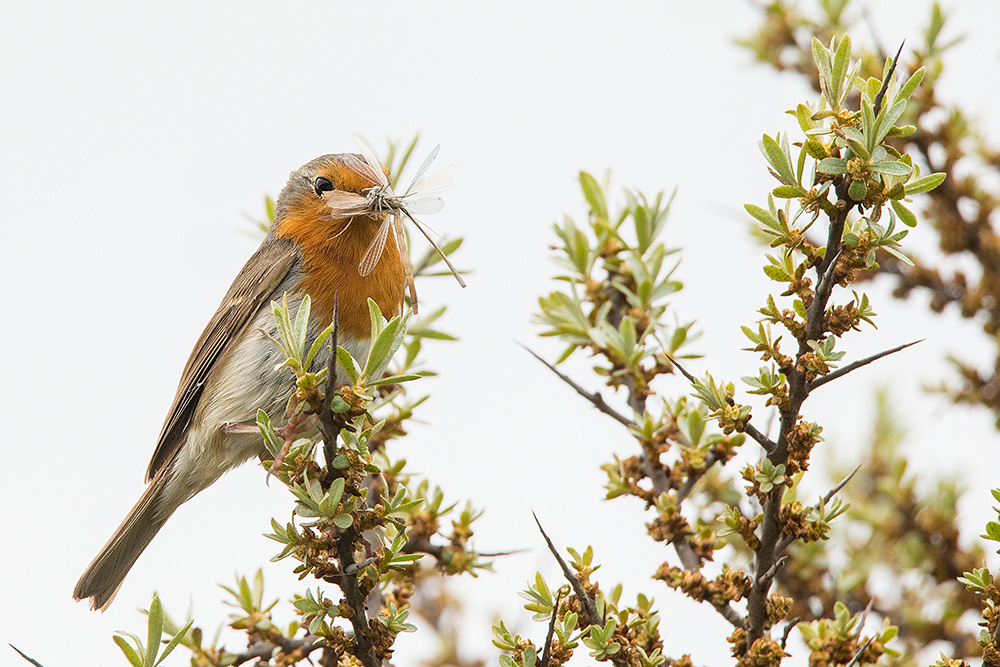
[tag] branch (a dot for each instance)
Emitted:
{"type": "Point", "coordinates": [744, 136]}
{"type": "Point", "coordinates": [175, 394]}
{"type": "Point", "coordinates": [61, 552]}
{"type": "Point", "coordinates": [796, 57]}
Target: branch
{"type": "Point", "coordinates": [348, 583]}
{"type": "Point", "coordinates": [766, 552]}
{"type": "Point", "coordinates": [552, 628]}
{"type": "Point", "coordinates": [588, 604]}
{"type": "Point", "coordinates": [327, 424]}
{"type": "Point", "coordinates": [710, 460]}
{"type": "Point", "coordinates": [32, 661]}
{"type": "Point", "coordinates": [773, 572]}
{"type": "Point", "coordinates": [857, 656]}
{"type": "Point", "coordinates": [347, 579]}
{"type": "Point", "coordinates": [840, 372]}
{"type": "Point", "coordinates": [877, 106]}
{"type": "Point", "coordinates": [595, 399]}
{"type": "Point", "coordinates": [264, 650]}
{"type": "Point", "coordinates": [761, 439]}
{"type": "Point", "coordinates": [788, 630]}
{"type": "Point", "coordinates": [765, 442]}
{"type": "Point", "coordinates": [786, 541]}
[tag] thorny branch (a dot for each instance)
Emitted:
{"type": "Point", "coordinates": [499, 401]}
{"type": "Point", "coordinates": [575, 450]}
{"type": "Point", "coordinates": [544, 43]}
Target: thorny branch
{"type": "Point", "coordinates": [595, 398]}
{"type": "Point", "coordinates": [263, 650]}
{"type": "Point", "coordinates": [840, 372]}
{"type": "Point", "coordinates": [589, 608]}
{"type": "Point", "coordinates": [346, 539]}
{"type": "Point", "coordinates": [546, 650]}
{"type": "Point", "coordinates": [748, 428]}
{"type": "Point", "coordinates": [787, 540]}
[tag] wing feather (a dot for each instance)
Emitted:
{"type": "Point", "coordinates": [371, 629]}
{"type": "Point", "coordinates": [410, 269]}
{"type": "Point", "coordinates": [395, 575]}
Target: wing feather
{"type": "Point", "coordinates": [253, 286]}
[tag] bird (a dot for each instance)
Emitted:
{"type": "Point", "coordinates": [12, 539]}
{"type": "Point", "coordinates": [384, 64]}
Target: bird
{"type": "Point", "coordinates": [231, 370]}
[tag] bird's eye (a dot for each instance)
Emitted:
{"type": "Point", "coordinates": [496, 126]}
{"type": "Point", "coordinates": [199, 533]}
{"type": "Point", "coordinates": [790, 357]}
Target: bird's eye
{"type": "Point", "coordinates": [321, 185]}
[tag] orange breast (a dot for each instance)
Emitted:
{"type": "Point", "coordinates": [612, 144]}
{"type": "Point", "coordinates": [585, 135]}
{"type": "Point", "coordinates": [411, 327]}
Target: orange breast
{"type": "Point", "coordinates": [332, 250]}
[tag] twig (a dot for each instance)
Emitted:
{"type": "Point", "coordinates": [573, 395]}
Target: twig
{"type": "Point", "coordinates": [770, 574]}
{"type": "Point", "coordinates": [326, 414]}
{"type": "Point", "coordinates": [788, 630]}
{"type": "Point", "coordinates": [423, 545]}
{"type": "Point", "coordinates": [552, 628]}
{"type": "Point", "coordinates": [595, 399]}
{"type": "Point", "coordinates": [765, 442]}
{"type": "Point", "coordinates": [840, 372]}
{"type": "Point", "coordinates": [877, 106]}
{"type": "Point", "coordinates": [786, 541]}
{"type": "Point", "coordinates": [864, 616]}
{"type": "Point", "coordinates": [710, 460]}
{"type": "Point", "coordinates": [761, 439]}
{"type": "Point", "coordinates": [364, 650]}
{"type": "Point", "coordinates": [835, 490]}
{"type": "Point", "coordinates": [825, 284]}
{"type": "Point", "coordinates": [588, 604]}
{"type": "Point", "coordinates": [857, 656]}
{"type": "Point", "coordinates": [263, 650]}
{"type": "Point", "coordinates": [730, 615]}
{"type": "Point", "coordinates": [34, 662]}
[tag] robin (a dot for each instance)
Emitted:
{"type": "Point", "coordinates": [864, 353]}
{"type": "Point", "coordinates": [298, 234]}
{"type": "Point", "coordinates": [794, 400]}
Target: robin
{"type": "Point", "coordinates": [230, 373]}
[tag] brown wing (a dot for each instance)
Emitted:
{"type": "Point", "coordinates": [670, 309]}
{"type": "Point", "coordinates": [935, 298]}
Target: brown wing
{"type": "Point", "coordinates": [262, 273]}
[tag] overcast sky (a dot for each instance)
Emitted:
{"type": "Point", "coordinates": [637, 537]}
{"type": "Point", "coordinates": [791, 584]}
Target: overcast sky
{"type": "Point", "coordinates": [136, 138]}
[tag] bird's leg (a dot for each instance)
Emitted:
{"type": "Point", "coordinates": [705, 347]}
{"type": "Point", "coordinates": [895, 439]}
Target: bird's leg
{"type": "Point", "coordinates": [290, 432]}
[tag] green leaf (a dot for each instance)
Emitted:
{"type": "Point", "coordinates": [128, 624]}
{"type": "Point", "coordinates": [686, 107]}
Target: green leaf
{"type": "Point", "coordinates": [904, 214]}
{"type": "Point", "coordinates": [777, 159]}
{"type": "Point", "coordinates": [924, 183]}
{"type": "Point", "coordinates": [788, 191]}
{"type": "Point", "coordinates": [822, 59]}
{"type": "Point", "coordinates": [911, 84]}
{"type": "Point", "coordinates": [857, 190]}
{"type": "Point", "coordinates": [891, 168]}
{"type": "Point", "coordinates": [269, 208]}
{"type": "Point", "coordinates": [776, 273]}
{"type": "Point", "coordinates": [382, 349]}
{"type": "Point", "coordinates": [594, 195]}
{"type": "Point", "coordinates": [343, 521]}
{"type": "Point", "coordinates": [993, 531]}
{"type": "Point", "coordinates": [840, 63]}
{"type": "Point", "coordinates": [301, 326]}
{"type": "Point", "coordinates": [271, 440]}
{"type": "Point", "coordinates": [174, 641]}
{"type": "Point", "coordinates": [346, 362]}
{"type": "Point", "coordinates": [376, 318]}
{"type": "Point", "coordinates": [154, 631]}
{"type": "Point", "coordinates": [317, 346]}
{"type": "Point", "coordinates": [762, 216]}
{"type": "Point", "coordinates": [129, 652]}
{"type": "Point", "coordinates": [394, 379]}
{"type": "Point", "coordinates": [832, 165]}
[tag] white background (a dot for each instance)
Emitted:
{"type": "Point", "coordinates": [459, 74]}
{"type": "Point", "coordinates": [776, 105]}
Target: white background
{"type": "Point", "coordinates": [134, 140]}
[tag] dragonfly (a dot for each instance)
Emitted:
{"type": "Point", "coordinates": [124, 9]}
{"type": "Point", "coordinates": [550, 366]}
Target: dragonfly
{"type": "Point", "coordinates": [422, 197]}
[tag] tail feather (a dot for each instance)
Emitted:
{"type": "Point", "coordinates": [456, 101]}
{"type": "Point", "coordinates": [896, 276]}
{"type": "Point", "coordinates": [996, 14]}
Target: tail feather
{"type": "Point", "coordinates": [105, 574]}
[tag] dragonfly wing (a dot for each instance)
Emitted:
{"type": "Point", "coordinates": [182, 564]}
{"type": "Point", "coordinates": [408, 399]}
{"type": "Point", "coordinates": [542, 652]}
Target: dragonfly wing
{"type": "Point", "coordinates": [361, 168]}
{"type": "Point", "coordinates": [434, 184]}
{"type": "Point", "coordinates": [423, 168]}
{"type": "Point", "coordinates": [373, 163]}
{"type": "Point", "coordinates": [423, 205]}
{"type": "Point", "coordinates": [345, 204]}
{"type": "Point", "coordinates": [374, 252]}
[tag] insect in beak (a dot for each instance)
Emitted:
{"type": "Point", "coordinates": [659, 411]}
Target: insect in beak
{"type": "Point", "coordinates": [422, 197]}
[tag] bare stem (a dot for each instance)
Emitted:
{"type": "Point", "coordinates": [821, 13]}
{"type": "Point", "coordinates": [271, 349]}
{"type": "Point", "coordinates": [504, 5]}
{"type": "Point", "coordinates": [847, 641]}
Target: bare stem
{"type": "Point", "coordinates": [840, 372]}
{"type": "Point", "coordinates": [595, 398]}
{"type": "Point", "coordinates": [552, 629]}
